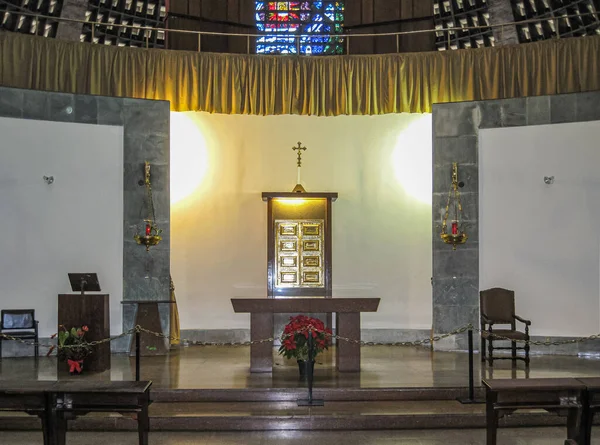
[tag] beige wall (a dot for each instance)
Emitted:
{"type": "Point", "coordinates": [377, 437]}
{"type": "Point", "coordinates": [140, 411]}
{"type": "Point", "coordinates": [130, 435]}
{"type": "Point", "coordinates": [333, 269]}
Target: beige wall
{"type": "Point", "coordinates": [220, 164]}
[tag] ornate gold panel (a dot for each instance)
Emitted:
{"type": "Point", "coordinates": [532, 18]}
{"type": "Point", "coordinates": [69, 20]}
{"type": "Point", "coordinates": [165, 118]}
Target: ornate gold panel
{"type": "Point", "coordinates": [288, 229]}
{"type": "Point", "coordinates": [299, 253]}
{"type": "Point", "coordinates": [311, 229]}
{"type": "Point", "coordinates": [311, 245]}
{"type": "Point", "coordinates": [288, 246]}
{"type": "Point", "coordinates": [311, 261]}
{"type": "Point", "coordinates": [311, 277]}
{"type": "Point", "coordinates": [288, 277]}
{"type": "Point", "coordinates": [288, 261]}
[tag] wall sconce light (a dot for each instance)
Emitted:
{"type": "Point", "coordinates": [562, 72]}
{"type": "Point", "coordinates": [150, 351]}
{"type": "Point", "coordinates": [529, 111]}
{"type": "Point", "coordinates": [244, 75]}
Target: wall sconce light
{"type": "Point", "coordinates": [151, 236]}
{"type": "Point", "coordinates": [457, 234]}
{"type": "Point", "coordinates": [49, 179]}
{"type": "Point", "coordinates": [548, 180]}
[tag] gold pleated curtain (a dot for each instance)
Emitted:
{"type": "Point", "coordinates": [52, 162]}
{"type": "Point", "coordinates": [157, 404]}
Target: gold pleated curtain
{"type": "Point", "coordinates": [322, 86]}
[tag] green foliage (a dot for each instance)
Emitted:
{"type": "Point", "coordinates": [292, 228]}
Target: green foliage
{"type": "Point", "coordinates": [72, 344]}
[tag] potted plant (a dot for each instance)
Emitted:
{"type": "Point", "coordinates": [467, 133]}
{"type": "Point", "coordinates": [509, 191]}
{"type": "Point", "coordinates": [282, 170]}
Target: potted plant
{"type": "Point", "coordinates": [294, 341]}
{"type": "Point", "coordinates": [73, 347]}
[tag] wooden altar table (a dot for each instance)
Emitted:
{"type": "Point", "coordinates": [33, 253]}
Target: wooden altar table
{"type": "Point", "coordinates": [347, 312]}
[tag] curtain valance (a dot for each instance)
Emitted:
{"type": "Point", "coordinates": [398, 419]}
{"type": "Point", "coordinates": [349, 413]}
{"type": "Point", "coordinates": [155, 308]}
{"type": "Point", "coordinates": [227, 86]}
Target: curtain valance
{"type": "Point", "coordinates": [323, 86]}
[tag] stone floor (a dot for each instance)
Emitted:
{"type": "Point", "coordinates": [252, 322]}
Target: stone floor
{"type": "Point", "coordinates": [512, 436]}
{"type": "Point", "coordinates": [382, 367]}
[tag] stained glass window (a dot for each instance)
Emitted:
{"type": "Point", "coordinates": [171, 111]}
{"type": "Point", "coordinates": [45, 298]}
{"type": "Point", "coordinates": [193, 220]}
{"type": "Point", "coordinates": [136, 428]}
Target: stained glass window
{"type": "Point", "coordinates": [308, 27]}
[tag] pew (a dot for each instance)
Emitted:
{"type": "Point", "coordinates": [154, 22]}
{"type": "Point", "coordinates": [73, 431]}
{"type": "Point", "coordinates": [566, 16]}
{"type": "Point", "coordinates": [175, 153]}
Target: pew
{"type": "Point", "coordinates": [591, 405]}
{"type": "Point", "coordinates": [30, 397]}
{"type": "Point", "coordinates": [564, 396]}
{"type": "Point", "coordinates": [58, 402]}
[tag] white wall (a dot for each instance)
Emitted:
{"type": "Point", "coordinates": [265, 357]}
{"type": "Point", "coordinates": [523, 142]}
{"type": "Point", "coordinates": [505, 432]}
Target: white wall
{"type": "Point", "coordinates": [381, 167]}
{"type": "Point", "coordinates": [543, 240]}
{"type": "Point", "coordinates": [73, 225]}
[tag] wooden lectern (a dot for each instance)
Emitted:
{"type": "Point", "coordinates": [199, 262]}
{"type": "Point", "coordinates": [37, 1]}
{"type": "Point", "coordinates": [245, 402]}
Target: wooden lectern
{"type": "Point", "coordinates": [75, 310]}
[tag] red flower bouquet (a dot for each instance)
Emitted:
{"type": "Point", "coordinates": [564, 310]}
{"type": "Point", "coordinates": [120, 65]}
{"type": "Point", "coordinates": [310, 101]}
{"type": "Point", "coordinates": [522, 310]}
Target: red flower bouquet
{"type": "Point", "coordinates": [294, 340]}
{"type": "Point", "coordinates": [72, 344]}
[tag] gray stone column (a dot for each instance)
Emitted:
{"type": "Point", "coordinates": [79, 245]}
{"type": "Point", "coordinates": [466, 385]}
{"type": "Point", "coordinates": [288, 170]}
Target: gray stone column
{"type": "Point", "coordinates": [72, 9]}
{"type": "Point", "coordinates": [501, 12]}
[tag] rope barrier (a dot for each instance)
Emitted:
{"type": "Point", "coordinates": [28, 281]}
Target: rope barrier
{"type": "Point", "coordinates": [310, 328]}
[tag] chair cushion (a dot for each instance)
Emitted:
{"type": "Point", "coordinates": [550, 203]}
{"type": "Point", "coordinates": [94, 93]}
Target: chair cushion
{"type": "Point", "coordinates": [19, 334]}
{"type": "Point", "coordinates": [513, 335]}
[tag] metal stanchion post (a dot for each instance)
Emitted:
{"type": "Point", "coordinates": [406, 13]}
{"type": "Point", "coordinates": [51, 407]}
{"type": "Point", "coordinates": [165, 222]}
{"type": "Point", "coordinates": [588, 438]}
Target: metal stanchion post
{"type": "Point", "coordinates": [471, 398]}
{"type": "Point", "coordinates": [310, 401]}
{"type": "Point", "coordinates": [137, 356]}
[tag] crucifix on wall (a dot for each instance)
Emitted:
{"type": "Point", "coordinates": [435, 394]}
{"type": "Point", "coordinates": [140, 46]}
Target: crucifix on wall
{"type": "Point", "coordinates": [300, 149]}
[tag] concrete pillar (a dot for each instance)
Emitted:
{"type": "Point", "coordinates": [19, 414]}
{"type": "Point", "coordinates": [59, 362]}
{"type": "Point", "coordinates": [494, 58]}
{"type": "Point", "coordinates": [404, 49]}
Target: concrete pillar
{"type": "Point", "coordinates": [72, 9]}
{"type": "Point", "coordinates": [501, 12]}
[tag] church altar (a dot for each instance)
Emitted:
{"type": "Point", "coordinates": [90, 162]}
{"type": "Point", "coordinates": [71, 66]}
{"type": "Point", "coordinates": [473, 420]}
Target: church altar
{"type": "Point", "coordinates": [347, 312]}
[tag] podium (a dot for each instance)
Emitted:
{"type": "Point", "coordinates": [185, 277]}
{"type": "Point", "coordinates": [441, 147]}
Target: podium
{"type": "Point", "coordinates": [91, 310]}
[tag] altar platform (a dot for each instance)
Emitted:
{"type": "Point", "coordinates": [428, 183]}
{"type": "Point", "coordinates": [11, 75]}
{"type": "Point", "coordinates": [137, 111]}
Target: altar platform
{"type": "Point", "coordinates": [383, 367]}
{"type": "Point", "coordinates": [210, 388]}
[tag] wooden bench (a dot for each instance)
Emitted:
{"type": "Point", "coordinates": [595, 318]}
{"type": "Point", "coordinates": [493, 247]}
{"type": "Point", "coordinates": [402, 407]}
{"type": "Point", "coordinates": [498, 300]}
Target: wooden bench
{"type": "Point", "coordinates": [30, 397]}
{"type": "Point", "coordinates": [591, 405]}
{"type": "Point", "coordinates": [57, 402]}
{"type": "Point", "coordinates": [565, 396]}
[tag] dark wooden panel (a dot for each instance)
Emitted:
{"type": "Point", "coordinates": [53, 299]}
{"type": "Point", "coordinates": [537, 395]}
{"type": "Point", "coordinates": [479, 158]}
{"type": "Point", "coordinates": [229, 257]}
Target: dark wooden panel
{"type": "Point", "coordinates": [386, 10]}
{"type": "Point", "coordinates": [178, 6]}
{"type": "Point", "coordinates": [214, 10]}
{"type": "Point", "coordinates": [181, 41]}
{"type": "Point", "coordinates": [247, 17]}
{"type": "Point", "coordinates": [353, 13]}
{"type": "Point", "coordinates": [233, 10]}
{"type": "Point", "coordinates": [236, 44]}
{"type": "Point", "coordinates": [407, 8]}
{"type": "Point", "coordinates": [178, 40]}
{"type": "Point", "coordinates": [422, 8]}
{"type": "Point", "coordinates": [76, 310]}
{"type": "Point", "coordinates": [195, 8]}
{"type": "Point", "coordinates": [419, 42]}
{"type": "Point", "coordinates": [363, 45]}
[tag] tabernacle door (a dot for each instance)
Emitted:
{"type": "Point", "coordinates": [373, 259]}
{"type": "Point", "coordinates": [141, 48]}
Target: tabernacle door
{"type": "Point", "coordinates": [299, 244]}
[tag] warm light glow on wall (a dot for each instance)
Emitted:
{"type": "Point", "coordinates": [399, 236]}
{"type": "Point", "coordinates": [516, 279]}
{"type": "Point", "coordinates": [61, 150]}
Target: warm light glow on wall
{"type": "Point", "coordinates": [189, 156]}
{"type": "Point", "coordinates": [412, 159]}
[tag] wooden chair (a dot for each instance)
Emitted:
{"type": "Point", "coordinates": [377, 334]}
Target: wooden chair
{"type": "Point", "coordinates": [497, 306]}
{"type": "Point", "coordinates": [19, 323]}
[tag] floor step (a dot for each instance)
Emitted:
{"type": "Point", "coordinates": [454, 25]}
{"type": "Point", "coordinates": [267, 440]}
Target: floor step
{"type": "Point", "coordinates": [277, 416]}
{"type": "Point", "coordinates": [328, 394]}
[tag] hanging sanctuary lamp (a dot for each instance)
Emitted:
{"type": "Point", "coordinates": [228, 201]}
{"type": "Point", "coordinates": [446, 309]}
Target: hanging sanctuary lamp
{"type": "Point", "coordinates": [151, 236]}
{"type": "Point", "coordinates": [456, 235]}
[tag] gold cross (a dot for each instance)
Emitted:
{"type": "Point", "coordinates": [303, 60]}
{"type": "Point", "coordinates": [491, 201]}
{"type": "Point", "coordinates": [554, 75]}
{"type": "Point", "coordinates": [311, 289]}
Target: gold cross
{"type": "Point", "coordinates": [300, 149]}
